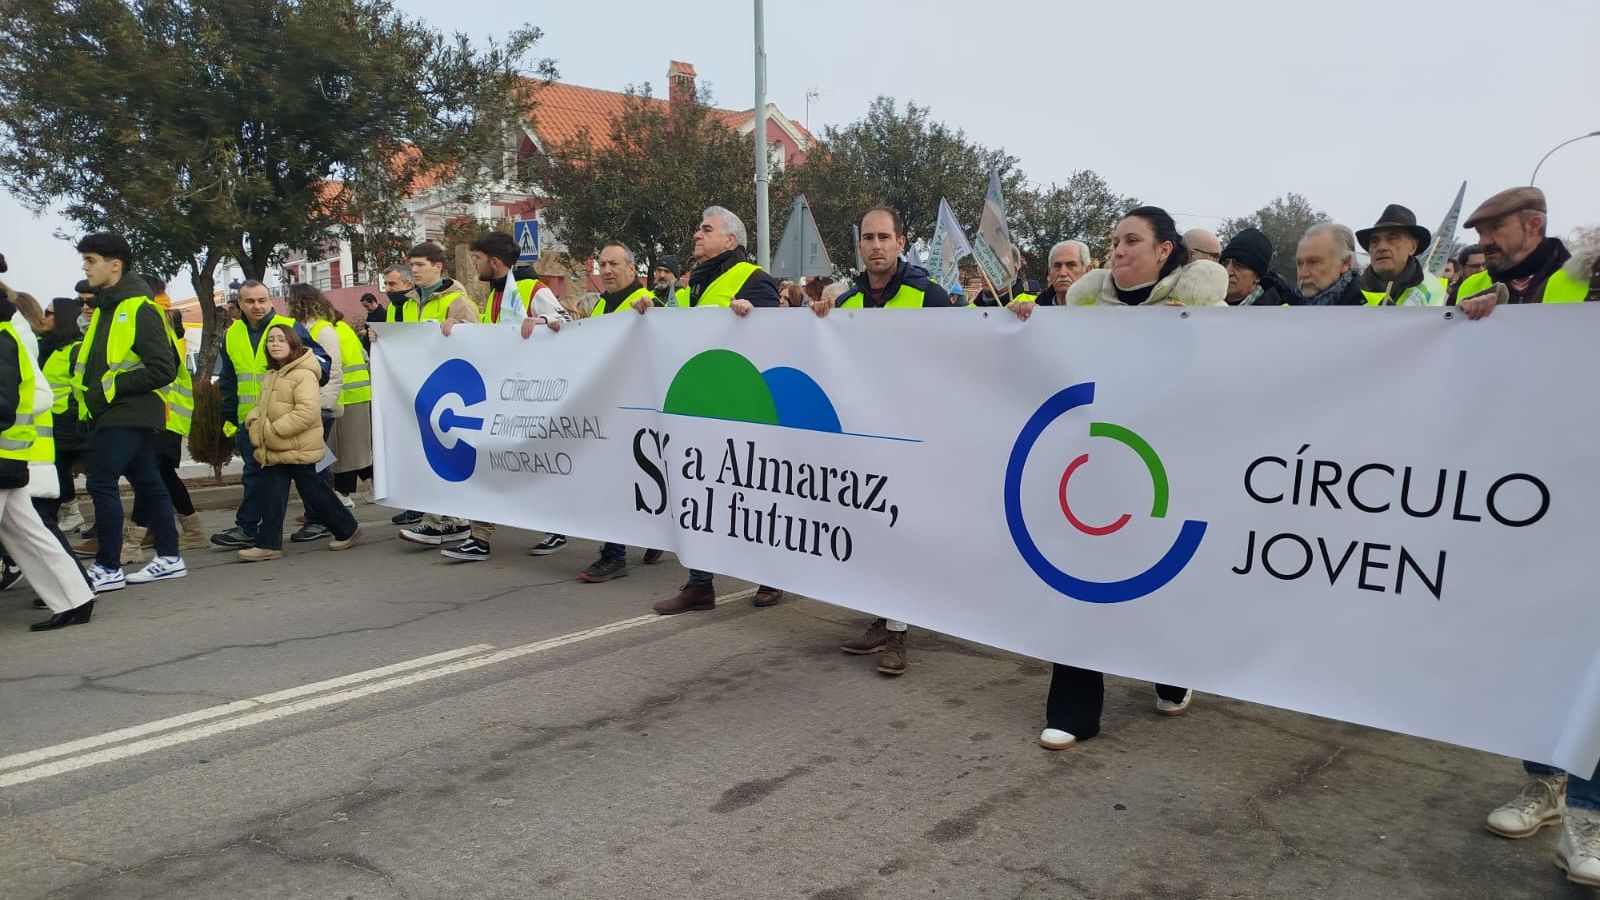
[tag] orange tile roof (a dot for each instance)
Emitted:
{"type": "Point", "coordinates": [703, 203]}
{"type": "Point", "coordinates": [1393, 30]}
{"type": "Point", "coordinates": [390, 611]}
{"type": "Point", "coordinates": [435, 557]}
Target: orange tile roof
{"type": "Point", "coordinates": [562, 111]}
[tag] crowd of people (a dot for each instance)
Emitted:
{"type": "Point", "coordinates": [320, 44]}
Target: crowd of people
{"type": "Point", "coordinates": [101, 382]}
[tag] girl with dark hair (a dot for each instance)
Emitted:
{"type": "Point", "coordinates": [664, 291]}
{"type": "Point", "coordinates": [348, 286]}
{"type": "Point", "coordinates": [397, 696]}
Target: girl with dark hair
{"type": "Point", "coordinates": [286, 432]}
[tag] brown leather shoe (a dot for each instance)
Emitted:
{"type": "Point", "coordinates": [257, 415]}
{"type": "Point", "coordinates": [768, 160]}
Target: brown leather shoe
{"type": "Point", "coordinates": [87, 549]}
{"type": "Point", "coordinates": [692, 598]}
{"type": "Point", "coordinates": [870, 641]}
{"type": "Point", "coordinates": [766, 596]}
{"type": "Point", "coordinates": [893, 659]}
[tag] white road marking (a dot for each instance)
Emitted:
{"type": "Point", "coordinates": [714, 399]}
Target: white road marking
{"type": "Point", "coordinates": [247, 719]}
{"type": "Point", "coordinates": [124, 734]}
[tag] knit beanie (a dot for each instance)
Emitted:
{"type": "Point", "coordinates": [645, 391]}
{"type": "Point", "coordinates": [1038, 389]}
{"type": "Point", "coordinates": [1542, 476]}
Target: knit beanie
{"type": "Point", "coordinates": [1252, 249]}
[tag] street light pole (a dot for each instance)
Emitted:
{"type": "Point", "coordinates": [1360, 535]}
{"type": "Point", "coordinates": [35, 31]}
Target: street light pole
{"type": "Point", "coordinates": [1547, 155]}
{"type": "Point", "coordinates": [763, 226]}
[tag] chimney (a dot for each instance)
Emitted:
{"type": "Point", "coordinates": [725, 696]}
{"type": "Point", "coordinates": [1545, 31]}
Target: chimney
{"type": "Point", "coordinates": [680, 83]}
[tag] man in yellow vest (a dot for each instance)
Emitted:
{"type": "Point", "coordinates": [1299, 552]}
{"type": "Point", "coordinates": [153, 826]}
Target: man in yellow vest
{"type": "Point", "coordinates": [664, 282]}
{"type": "Point", "coordinates": [437, 297]}
{"type": "Point", "coordinates": [1394, 276]}
{"type": "Point", "coordinates": [1518, 255]}
{"type": "Point", "coordinates": [887, 282]}
{"type": "Point", "coordinates": [1532, 268]}
{"type": "Point", "coordinates": [723, 275]}
{"type": "Point", "coordinates": [619, 277]}
{"type": "Point", "coordinates": [244, 369]}
{"type": "Point", "coordinates": [125, 365]}
{"type": "Point", "coordinates": [518, 300]}
{"type": "Point", "coordinates": [25, 422]}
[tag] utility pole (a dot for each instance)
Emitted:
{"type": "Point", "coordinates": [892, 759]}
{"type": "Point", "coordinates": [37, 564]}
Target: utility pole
{"type": "Point", "coordinates": [763, 225]}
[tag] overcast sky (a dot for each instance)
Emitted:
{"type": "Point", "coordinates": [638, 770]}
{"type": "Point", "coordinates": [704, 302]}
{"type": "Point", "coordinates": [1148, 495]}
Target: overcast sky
{"type": "Point", "coordinates": [1207, 109]}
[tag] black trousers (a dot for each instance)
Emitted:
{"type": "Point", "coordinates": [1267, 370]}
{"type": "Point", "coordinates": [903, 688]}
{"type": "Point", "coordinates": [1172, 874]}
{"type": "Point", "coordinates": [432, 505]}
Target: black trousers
{"type": "Point", "coordinates": [1078, 696]}
{"type": "Point", "coordinates": [316, 493]}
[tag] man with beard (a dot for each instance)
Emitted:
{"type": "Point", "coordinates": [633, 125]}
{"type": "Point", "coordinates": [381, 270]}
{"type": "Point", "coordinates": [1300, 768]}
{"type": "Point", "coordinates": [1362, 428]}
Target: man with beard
{"type": "Point", "coordinates": [1325, 267]}
{"type": "Point", "coordinates": [888, 282]}
{"type": "Point", "coordinates": [1517, 254]}
{"type": "Point", "coordinates": [1395, 277]}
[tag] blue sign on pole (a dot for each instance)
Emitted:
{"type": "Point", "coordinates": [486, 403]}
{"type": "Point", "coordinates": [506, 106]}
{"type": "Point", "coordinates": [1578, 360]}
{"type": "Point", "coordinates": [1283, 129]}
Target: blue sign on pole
{"type": "Point", "coordinates": [526, 231]}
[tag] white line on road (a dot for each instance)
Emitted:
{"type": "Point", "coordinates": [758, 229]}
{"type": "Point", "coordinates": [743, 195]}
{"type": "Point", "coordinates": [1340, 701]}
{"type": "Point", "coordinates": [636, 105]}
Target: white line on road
{"type": "Point", "coordinates": [238, 706]}
{"type": "Point", "coordinates": [175, 738]}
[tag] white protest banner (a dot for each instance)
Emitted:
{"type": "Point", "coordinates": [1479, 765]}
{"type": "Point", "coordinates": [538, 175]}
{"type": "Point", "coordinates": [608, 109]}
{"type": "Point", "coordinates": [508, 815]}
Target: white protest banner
{"type": "Point", "coordinates": [993, 246]}
{"type": "Point", "coordinates": [948, 247]}
{"type": "Point", "coordinates": [1116, 489]}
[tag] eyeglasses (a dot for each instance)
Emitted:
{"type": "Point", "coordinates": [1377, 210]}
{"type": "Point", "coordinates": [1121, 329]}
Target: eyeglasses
{"type": "Point", "coordinates": [1206, 253]}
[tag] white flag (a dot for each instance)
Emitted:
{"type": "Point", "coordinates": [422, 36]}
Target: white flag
{"type": "Point", "coordinates": [1433, 261]}
{"type": "Point", "coordinates": [948, 248]}
{"type": "Point", "coordinates": [993, 247]}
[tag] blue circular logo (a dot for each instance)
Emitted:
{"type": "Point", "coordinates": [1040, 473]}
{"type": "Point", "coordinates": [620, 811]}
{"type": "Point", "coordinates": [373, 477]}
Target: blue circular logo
{"type": "Point", "coordinates": [453, 378]}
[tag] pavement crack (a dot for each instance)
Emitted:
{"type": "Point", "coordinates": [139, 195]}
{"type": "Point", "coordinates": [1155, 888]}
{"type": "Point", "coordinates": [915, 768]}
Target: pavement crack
{"type": "Point", "coordinates": [340, 859]}
{"type": "Point", "coordinates": [1258, 811]}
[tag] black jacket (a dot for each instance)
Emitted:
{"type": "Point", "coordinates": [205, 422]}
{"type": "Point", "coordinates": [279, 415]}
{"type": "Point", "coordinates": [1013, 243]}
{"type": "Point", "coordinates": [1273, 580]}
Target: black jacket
{"type": "Point", "coordinates": [137, 405]}
{"type": "Point", "coordinates": [759, 288]}
{"type": "Point", "coordinates": [13, 472]}
{"type": "Point", "coordinates": [915, 276]}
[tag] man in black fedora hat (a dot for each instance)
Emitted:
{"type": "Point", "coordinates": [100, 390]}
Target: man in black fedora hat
{"type": "Point", "coordinates": [1395, 276]}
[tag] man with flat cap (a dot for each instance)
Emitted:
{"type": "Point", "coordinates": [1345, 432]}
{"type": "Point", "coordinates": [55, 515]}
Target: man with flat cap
{"type": "Point", "coordinates": [1517, 253]}
{"type": "Point", "coordinates": [1394, 275]}
{"type": "Point", "coordinates": [1251, 281]}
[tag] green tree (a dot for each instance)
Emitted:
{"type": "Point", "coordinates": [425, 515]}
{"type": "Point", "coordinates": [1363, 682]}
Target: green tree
{"type": "Point", "coordinates": [1283, 221]}
{"type": "Point", "coordinates": [1084, 209]}
{"type": "Point", "coordinates": [213, 129]}
{"type": "Point", "coordinates": [647, 180]}
{"type": "Point", "coordinates": [901, 159]}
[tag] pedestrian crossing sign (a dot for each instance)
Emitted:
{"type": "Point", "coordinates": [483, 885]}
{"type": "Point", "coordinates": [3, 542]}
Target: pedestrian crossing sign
{"type": "Point", "coordinates": [526, 231]}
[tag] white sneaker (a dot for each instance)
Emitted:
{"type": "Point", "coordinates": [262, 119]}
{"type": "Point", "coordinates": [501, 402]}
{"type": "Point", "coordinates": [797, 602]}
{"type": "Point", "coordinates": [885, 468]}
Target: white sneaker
{"type": "Point", "coordinates": [105, 579]}
{"type": "Point", "coordinates": [1579, 850]}
{"type": "Point", "coordinates": [1540, 803]}
{"type": "Point", "coordinates": [1168, 708]}
{"type": "Point", "coordinates": [345, 499]}
{"type": "Point", "coordinates": [1056, 739]}
{"type": "Point", "coordinates": [160, 569]}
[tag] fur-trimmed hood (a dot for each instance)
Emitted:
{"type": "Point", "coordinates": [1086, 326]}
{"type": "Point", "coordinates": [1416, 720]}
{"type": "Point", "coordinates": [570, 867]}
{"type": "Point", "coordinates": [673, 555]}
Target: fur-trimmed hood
{"type": "Point", "coordinates": [1585, 248]}
{"type": "Point", "coordinates": [1200, 283]}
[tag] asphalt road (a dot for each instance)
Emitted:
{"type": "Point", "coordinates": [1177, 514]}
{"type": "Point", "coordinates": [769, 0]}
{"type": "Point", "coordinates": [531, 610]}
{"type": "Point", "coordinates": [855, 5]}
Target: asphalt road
{"type": "Point", "coordinates": [527, 735]}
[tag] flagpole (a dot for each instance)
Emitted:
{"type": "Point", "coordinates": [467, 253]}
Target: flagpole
{"type": "Point", "coordinates": [763, 227]}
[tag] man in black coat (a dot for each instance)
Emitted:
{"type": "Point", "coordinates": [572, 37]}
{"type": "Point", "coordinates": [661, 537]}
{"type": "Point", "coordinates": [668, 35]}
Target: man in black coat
{"type": "Point", "coordinates": [124, 426]}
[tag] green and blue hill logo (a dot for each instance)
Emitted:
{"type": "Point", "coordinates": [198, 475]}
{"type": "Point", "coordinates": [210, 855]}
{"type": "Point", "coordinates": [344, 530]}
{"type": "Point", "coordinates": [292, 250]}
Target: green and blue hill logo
{"type": "Point", "coordinates": [722, 384]}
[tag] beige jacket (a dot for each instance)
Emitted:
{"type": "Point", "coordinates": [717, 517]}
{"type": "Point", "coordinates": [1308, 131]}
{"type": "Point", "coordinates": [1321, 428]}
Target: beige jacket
{"type": "Point", "coordinates": [1200, 283]}
{"type": "Point", "coordinates": [286, 426]}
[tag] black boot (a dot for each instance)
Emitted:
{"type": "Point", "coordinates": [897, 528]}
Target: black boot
{"type": "Point", "coordinates": [76, 616]}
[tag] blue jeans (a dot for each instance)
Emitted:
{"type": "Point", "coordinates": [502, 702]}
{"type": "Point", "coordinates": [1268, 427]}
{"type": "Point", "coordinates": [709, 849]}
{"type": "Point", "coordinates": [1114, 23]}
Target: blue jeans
{"type": "Point", "coordinates": [248, 518]}
{"type": "Point", "coordinates": [130, 453]}
{"type": "Point", "coordinates": [316, 493]}
{"type": "Point", "coordinates": [699, 578]}
{"type": "Point", "coordinates": [610, 551]}
{"type": "Point", "coordinates": [1582, 793]}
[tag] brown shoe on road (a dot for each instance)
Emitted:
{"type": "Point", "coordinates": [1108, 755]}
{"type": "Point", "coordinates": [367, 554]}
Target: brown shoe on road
{"type": "Point", "coordinates": [893, 659]}
{"type": "Point", "coordinates": [766, 596]}
{"type": "Point", "coordinates": [692, 598]}
{"type": "Point", "coordinates": [870, 641]}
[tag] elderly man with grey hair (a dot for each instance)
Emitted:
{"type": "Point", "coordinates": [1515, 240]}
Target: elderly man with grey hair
{"type": "Point", "coordinates": [1067, 262]}
{"type": "Point", "coordinates": [1325, 267]}
{"type": "Point", "coordinates": [723, 275]}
